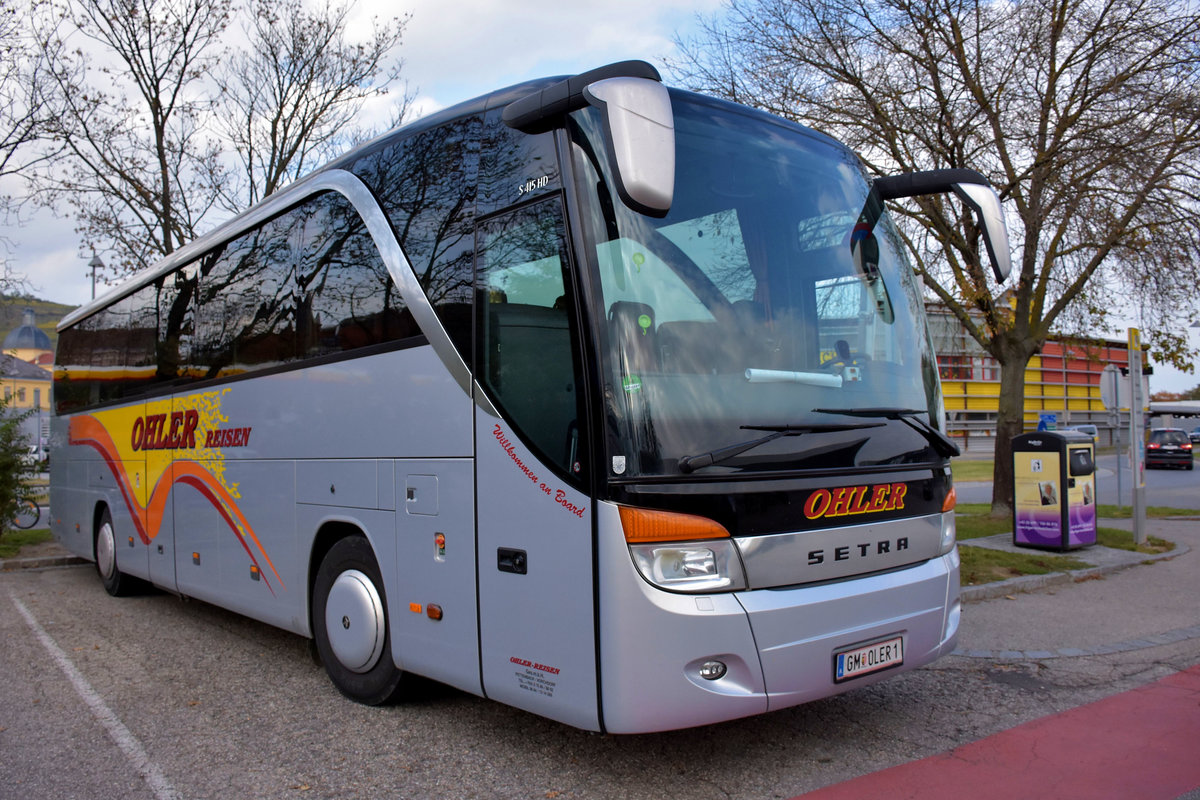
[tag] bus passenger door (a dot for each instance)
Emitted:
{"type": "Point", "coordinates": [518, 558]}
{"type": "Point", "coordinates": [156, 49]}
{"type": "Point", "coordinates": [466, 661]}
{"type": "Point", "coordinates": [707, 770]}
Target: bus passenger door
{"type": "Point", "coordinates": [536, 611]}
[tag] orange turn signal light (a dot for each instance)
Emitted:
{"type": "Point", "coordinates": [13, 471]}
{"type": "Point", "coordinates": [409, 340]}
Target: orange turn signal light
{"type": "Point", "coordinates": [643, 525]}
{"type": "Point", "coordinates": [951, 500]}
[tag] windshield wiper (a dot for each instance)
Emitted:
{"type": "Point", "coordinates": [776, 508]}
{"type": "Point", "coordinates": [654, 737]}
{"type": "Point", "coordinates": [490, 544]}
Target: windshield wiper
{"type": "Point", "coordinates": [689, 464]}
{"type": "Point", "coordinates": [910, 417]}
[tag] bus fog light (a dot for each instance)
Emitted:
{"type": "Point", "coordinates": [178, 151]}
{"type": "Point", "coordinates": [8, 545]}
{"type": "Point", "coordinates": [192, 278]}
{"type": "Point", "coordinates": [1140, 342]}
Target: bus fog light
{"type": "Point", "coordinates": [713, 670]}
{"type": "Point", "coordinates": [709, 566]}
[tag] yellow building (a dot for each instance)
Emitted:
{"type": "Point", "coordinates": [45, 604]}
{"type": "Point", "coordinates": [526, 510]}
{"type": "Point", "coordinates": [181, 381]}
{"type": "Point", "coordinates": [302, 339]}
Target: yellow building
{"type": "Point", "coordinates": [24, 384]}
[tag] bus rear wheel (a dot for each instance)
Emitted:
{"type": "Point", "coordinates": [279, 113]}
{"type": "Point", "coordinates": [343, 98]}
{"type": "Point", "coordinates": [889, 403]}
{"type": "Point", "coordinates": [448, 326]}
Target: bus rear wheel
{"type": "Point", "coordinates": [116, 583]}
{"type": "Point", "coordinates": [350, 624]}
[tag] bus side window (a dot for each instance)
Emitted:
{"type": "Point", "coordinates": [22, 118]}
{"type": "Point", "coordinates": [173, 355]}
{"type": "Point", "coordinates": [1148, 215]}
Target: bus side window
{"type": "Point", "coordinates": [527, 351]}
{"type": "Point", "coordinates": [347, 298]}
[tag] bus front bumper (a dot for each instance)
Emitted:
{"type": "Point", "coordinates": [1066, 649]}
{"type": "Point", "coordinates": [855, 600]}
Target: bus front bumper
{"type": "Point", "coordinates": [777, 647]}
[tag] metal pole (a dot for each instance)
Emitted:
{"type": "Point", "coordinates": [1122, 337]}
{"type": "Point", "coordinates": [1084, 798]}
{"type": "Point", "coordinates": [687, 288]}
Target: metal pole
{"type": "Point", "coordinates": [1116, 418]}
{"type": "Point", "coordinates": [95, 264]}
{"type": "Point", "coordinates": [1137, 444]}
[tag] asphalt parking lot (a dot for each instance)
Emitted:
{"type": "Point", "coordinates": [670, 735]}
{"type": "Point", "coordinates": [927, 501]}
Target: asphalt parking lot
{"type": "Point", "coordinates": [153, 696]}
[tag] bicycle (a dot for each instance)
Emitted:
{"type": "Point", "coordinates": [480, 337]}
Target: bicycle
{"type": "Point", "coordinates": [28, 513]}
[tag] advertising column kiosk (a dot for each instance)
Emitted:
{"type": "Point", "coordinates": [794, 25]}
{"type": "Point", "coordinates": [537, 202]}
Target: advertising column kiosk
{"type": "Point", "coordinates": [1054, 490]}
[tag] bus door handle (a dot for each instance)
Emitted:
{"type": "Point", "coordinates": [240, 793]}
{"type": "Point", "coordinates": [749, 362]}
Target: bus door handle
{"type": "Point", "coordinates": [510, 560]}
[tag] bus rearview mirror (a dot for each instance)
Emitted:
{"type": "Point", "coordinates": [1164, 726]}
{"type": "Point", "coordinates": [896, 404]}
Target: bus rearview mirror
{"type": "Point", "coordinates": [984, 201]}
{"type": "Point", "coordinates": [640, 134]}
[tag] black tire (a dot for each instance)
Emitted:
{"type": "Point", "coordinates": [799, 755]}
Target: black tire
{"type": "Point", "coordinates": [104, 548]}
{"type": "Point", "coordinates": [28, 514]}
{"type": "Point", "coordinates": [358, 657]}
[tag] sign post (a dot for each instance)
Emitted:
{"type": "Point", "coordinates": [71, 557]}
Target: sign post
{"type": "Point", "coordinates": [1137, 436]}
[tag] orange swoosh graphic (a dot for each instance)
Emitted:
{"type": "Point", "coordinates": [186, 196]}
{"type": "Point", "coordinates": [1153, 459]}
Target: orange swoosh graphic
{"type": "Point", "coordinates": [86, 430]}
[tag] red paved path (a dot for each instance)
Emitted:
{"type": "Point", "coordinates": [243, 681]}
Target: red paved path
{"type": "Point", "coordinates": [1144, 744]}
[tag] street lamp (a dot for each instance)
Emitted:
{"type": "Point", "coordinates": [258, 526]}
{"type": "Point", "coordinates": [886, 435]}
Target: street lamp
{"type": "Point", "coordinates": [95, 264]}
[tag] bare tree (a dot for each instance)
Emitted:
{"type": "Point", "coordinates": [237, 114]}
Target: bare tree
{"type": "Point", "coordinates": [294, 94]}
{"type": "Point", "coordinates": [151, 107]}
{"type": "Point", "coordinates": [22, 93]}
{"type": "Point", "coordinates": [138, 169]}
{"type": "Point", "coordinates": [1083, 113]}
{"type": "Point", "coordinates": [23, 115]}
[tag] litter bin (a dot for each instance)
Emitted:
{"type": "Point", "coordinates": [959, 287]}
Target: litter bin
{"type": "Point", "coordinates": [1054, 490]}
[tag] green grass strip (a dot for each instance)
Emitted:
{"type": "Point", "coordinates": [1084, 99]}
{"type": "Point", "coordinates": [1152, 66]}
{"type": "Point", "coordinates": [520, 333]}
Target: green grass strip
{"type": "Point", "coordinates": [11, 542]}
{"type": "Point", "coordinates": [983, 565]}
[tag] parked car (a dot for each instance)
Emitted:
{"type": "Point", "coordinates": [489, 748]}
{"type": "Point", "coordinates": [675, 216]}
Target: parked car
{"type": "Point", "coordinates": [32, 456]}
{"type": "Point", "coordinates": [1169, 447]}
{"type": "Point", "coordinates": [1195, 435]}
{"type": "Point", "coordinates": [1090, 430]}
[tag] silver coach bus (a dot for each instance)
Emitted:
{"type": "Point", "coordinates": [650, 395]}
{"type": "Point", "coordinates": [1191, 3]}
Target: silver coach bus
{"type": "Point", "coordinates": [610, 402]}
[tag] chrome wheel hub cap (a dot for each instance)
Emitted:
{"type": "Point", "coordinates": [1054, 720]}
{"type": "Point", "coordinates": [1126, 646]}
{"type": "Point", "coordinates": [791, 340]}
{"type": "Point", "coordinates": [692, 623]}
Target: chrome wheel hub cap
{"type": "Point", "coordinates": [355, 621]}
{"type": "Point", "coordinates": [106, 551]}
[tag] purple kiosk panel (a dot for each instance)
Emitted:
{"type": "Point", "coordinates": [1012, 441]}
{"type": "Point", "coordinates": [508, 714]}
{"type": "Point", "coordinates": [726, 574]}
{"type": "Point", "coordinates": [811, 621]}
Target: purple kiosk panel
{"type": "Point", "coordinates": [1054, 490]}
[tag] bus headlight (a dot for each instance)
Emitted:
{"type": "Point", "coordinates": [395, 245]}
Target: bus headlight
{"type": "Point", "coordinates": [949, 533]}
{"type": "Point", "coordinates": [710, 566]}
{"type": "Point", "coordinates": [949, 528]}
{"type": "Point", "coordinates": [682, 552]}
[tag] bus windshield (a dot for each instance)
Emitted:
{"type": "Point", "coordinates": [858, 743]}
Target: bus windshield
{"type": "Point", "coordinates": [764, 304]}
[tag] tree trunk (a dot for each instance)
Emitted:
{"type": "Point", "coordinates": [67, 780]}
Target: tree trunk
{"type": "Point", "coordinates": [1009, 423]}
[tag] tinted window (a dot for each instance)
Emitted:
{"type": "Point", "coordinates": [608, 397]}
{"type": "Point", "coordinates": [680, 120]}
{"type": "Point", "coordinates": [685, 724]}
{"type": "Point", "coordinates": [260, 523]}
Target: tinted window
{"type": "Point", "coordinates": [426, 184]}
{"type": "Point", "coordinates": [247, 301]}
{"type": "Point", "coordinates": [102, 358]}
{"type": "Point", "coordinates": [177, 324]}
{"type": "Point", "coordinates": [72, 385]}
{"type": "Point", "coordinates": [514, 166]}
{"type": "Point", "coordinates": [345, 296]}
{"type": "Point", "coordinates": [309, 283]}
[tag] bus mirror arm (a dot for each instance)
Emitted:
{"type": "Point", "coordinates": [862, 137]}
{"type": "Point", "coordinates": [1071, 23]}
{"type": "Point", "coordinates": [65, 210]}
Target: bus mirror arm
{"type": "Point", "coordinates": [973, 189]}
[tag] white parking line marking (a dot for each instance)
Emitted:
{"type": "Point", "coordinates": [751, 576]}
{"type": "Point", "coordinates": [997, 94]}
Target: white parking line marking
{"type": "Point", "coordinates": [125, 740]}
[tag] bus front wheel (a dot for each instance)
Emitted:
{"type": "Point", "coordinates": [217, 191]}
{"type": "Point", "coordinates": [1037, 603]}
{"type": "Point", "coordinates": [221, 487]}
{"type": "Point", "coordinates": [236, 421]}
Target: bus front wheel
{"type": "Point", "coordinates": [350, 624]}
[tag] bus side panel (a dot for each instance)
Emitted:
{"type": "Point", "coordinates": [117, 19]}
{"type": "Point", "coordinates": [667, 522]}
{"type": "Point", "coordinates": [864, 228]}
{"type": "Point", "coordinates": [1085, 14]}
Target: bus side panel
{"type": "Point", "coordinates": [316, 431]}
{"type": "Point", "coordinates": [69, 522]}
{"type": "Point", "coordinates": [537, 623]}
{"type": "Point", "coordinates": [200, 529]}
{"type": "Point", "coordinates": [402, 404]}
{"type": "Point", "coordinates": [243, 556]}
{"type": "Point", "coordinates": [435, 566]}
{"type": "Point", "coordinates": [107, 467]}
{"type": "Point", "coordinates": [162, 549]}
{"type": "Point", "coordinates": [159, 477]}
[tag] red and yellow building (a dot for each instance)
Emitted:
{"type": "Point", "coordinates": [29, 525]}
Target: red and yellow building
{"type": "Point", "coordinates": [1063, 379]}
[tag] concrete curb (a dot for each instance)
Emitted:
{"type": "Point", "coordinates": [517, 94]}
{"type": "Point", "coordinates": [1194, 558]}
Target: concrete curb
{"type": "Point", "coordinates": [44, 562]}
